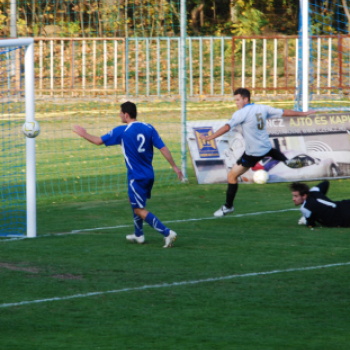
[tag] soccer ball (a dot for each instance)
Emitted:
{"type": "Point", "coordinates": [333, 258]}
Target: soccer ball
{"type": "Point", "coordinates": [31, 129]}
{"type": "Point", "coordinates": [260, 177]}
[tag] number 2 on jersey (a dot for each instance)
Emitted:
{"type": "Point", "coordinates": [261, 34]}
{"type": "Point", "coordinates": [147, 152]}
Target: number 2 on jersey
{"type": "Point", "coordinates": [143, 139]}
{"type": "Point", "coordinates": [260, 121]}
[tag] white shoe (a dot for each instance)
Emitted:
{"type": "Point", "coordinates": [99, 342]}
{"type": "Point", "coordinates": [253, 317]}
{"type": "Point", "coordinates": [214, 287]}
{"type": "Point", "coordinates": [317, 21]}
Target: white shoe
{"type": "Point", "coordinates": [169, 240]}
{"type": "Point", "coordinates": [133, 238]}
{"type": "Point", "coordinates": [223, 211]}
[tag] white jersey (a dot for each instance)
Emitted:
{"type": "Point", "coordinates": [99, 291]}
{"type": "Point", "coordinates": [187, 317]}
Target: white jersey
{"type": "Point", "coordinates": [253, 120]}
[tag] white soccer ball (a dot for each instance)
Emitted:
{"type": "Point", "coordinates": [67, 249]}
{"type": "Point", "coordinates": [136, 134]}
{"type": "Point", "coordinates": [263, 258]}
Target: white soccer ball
{"type": "Point", "coordinates": [31, 129]}
{"type": "Point", "coordinates": [260, 177]}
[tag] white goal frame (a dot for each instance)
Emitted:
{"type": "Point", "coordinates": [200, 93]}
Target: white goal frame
{"type": "Point", "coordinates": [305, 53]}
{"type": "Point", "coordinates": [28, 43]}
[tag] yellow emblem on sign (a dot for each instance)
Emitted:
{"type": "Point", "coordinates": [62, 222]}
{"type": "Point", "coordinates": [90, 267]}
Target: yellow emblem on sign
{"type": "Point", "coordinates": [207, 149]}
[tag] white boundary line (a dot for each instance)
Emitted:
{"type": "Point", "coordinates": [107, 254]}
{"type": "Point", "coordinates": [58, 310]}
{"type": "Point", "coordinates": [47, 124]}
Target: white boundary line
{"type": "Point", "coordinates": [174, 284]}
{"type": "Point", "coordinates": [166, 222]}
{"type": "Point", "coordinates": [187, 220]}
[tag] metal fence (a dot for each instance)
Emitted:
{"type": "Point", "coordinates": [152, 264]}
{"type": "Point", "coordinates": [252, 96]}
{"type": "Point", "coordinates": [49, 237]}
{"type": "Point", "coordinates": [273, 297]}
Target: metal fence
{"type": "Point", "coordinates": [215, 65]}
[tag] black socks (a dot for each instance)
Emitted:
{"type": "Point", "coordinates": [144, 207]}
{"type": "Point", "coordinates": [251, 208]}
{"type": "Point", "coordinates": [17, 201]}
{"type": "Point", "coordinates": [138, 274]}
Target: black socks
{"type": "Point", "coordinates": [230, 195]}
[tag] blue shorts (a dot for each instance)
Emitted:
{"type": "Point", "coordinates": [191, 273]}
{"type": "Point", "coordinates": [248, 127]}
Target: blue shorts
{"type": "Point", "coordinates": [139, 191]}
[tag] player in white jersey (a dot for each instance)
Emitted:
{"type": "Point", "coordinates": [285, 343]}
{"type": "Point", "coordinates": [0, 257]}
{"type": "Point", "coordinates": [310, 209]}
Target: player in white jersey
{"type": "Point", "coordinates": [252, 118]}
{"type": "Point", "coordinates": [137, 141]}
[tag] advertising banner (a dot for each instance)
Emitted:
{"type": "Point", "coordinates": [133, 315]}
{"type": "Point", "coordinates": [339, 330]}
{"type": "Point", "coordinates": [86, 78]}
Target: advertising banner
{"type": "Point", "coordinates": [319, 143]}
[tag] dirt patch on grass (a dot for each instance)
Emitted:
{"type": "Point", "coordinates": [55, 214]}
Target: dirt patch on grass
{"type": "Point", "coordinates": [68, 276]}
{"type": "Point", "coordinates": [18, 267]}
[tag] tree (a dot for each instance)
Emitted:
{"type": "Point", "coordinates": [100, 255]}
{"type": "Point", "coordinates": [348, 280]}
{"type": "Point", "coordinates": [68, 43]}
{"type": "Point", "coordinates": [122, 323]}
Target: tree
{"type": "Point", "coordinates": [249, 19]}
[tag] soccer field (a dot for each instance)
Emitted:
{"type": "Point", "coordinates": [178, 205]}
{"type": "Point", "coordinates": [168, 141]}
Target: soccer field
{"type": "Point", "coordinates": [252, 280]}
{"type": "Point", "coordinates": [240, 282]}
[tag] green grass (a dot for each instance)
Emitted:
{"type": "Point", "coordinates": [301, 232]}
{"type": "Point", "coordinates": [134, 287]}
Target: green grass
{"type": "Point", "coordinates": [82, 187]}
{"type": "Point", "coordinates": [288, 310]}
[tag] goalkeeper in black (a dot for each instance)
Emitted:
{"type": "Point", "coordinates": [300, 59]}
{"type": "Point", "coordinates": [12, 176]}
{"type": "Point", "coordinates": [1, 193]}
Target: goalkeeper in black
{"type": "Point", "coordinates": [317, 207]}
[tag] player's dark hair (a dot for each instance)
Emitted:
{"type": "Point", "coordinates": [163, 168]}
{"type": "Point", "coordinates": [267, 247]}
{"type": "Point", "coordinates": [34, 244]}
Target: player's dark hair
{"type": "Point", "coordinates": [299, 187]}
{"type": "Point", "coordinates": [243, 92]}
{"type": "Point", "coordinates": [130, 108]}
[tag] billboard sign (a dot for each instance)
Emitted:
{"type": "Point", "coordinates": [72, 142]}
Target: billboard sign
{"type": "Point", "coordinates": [319, 142]}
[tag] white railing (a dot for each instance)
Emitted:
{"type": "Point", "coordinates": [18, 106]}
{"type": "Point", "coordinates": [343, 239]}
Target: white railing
{"type": "Point", "coordinates": [215, 65]}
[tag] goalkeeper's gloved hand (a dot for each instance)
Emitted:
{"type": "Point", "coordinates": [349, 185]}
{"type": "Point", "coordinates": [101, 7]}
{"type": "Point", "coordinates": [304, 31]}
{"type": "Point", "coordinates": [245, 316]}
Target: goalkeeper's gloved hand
{"type": "Point", "coordinates": [302, 221]}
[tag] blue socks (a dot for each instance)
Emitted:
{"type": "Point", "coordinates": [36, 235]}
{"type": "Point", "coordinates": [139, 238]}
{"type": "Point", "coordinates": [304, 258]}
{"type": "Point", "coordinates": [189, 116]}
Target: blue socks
{"type": "Point", "coordinates": [155, 223]}
{"type": "Point", "coordinates": [138, 222]}
{"type": "Point", "coordinates": [151, 220]}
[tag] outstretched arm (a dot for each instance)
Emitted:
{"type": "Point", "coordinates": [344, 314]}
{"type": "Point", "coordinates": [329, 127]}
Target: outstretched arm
{"type": "Point", "coordinates": [322, 186]}
{"type": "Point", "coordinates": [221, 131]}
{"type": "Point", "coordinates": [167, 155]}
{"type": "Point", "coordinates": [85, 135]}
{"type": "Point", "coordinates": [291, 113]}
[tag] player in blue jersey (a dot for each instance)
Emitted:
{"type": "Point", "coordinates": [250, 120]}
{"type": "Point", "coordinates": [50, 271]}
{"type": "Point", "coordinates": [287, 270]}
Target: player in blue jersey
{"type": "Point", "coordinates": [252, 118]}
{"type": "Point", "coordinates": [137, 141]}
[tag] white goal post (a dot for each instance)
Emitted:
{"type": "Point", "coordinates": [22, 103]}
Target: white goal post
{"type": "Point", "coordinates": [28, 44]}
{"type": "Point", "coordinates": [323, 56]}
{"type": "Point", "coordinates": [305, 53]}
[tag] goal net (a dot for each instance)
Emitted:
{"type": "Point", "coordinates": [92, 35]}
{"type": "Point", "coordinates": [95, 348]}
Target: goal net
{"type": "Point", "coordinates": [17, 166]}
{"type": "Point", "coordinates": [132, 53]}
{"type": "Point", "coordinates": [329, 55]}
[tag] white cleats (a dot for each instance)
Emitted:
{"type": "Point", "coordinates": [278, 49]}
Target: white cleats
{"type": "Point", "coordinates": [223, 211]}
{"type": "Point", "coordinates": [140, 240]}
{"type": "Point", "coordinates": [133, 238]}
{"type": "Point", "coordinates": [170, 239]}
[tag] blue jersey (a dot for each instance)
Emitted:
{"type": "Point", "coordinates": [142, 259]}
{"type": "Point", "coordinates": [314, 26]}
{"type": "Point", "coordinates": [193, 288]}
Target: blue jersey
{"type": "Point", "coordinates": [137, 140]}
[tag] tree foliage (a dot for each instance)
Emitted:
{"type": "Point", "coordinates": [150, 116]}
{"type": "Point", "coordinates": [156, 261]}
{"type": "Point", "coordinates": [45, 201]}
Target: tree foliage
{"type": "Point", "coordinates": [150, 18]}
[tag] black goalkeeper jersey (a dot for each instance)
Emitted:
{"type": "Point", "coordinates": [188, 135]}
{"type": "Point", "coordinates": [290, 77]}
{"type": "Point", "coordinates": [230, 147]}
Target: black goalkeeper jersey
{"type": "Point", "coordinates": [319, 208]}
